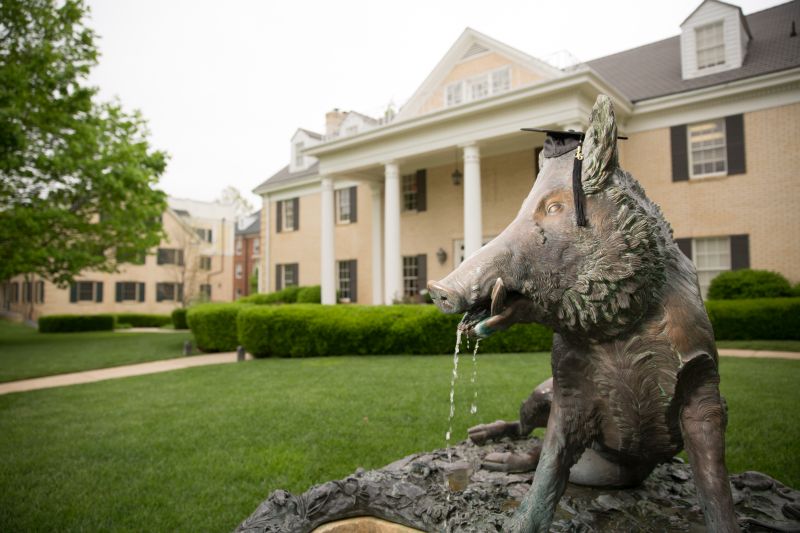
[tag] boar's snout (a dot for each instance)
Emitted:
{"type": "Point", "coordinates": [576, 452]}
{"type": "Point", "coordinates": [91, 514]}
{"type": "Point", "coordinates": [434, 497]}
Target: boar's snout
{"type": "Point", "coordinates": [447, 299]}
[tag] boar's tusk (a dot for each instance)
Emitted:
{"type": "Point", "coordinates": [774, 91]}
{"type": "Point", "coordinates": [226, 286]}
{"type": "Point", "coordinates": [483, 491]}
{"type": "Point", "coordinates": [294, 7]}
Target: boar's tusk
{"type": "Point", "coordinates": [498, 297]}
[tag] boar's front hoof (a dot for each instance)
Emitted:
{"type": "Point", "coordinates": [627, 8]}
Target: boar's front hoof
{"type": "Point", "coordinates": [494, 431]}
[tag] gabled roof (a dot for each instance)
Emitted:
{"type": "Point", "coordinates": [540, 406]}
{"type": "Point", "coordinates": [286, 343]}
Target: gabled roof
{"type": "Point", "coordinates": [737, 8]}
{"type": "Point", "coordinates": [312, 134]}
{"type": "Point", "coordinates": [284, 177]}
{"type": "Point", "coordinates": [254, 228]}
{"type": "Point", "coordinates": [469, 39]}
{"type": "Point", "coordinates": [654, 69]}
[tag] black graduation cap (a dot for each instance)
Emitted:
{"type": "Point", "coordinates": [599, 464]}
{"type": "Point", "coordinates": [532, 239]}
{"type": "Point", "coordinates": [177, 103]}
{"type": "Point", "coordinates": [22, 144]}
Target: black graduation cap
{"type": "Point", "coordinates": [558, 143]}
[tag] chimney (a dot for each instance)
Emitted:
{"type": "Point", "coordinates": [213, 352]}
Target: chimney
{"type": "Point", "coordinates": [333, 119]}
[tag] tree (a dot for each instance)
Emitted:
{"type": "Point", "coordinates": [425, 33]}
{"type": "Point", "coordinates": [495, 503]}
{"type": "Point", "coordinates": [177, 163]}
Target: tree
{"type": "Point", "coordinates": [77, 176]}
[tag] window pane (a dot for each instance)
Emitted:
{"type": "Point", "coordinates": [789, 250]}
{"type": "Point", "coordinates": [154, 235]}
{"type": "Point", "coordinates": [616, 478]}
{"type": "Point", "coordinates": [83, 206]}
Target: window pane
{"type": "Point", "coordinates": [85, 291]}
{"type": "Point", "coordinates": [410, 276]}
{"type": "Point", "coordinates": [707, 148]}
{"type": "Point", "coordinates": [501, 80]}
{"type": "Point", "coordinates": [409, 192]}
{"type": "Point", "coordinates": [344, 279]}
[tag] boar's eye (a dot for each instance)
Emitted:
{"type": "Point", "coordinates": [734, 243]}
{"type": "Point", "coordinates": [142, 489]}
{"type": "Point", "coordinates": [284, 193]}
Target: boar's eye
{"type": "Point", "coordinates": [554, 208]}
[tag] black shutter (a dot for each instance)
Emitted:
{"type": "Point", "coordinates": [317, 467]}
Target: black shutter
{"type": "Point", "coordinates": [353, 281]}
{"type": "Point", "coordinates": [73, 293]}
{"type": "Point", "coordinates": [685, 246]}
{"type": "Point", "coordinates": [279, 216]}
{"type": "Point", "coordinates": [740, 252]}
{"type": "Point", "coordinates": [162, 256]}
{"type": "Point", "coordinates": [422, 272]}
{"type": "Point", "coordinates": [98, 296]}
{"type": "Point", "coordinates": [296, 268]}
{"type": "Point", "coordinates": [422, 192]}
{"type": "Point", "coordinates": [180, 291]}
{"type": "Point", "coordinates": [141, 292]}
{"type": "Point", "coordinates": [680, 157]}
{"type": "Point", "coordinates": [41, 292]}
{"type": "Point", "coordinates": [180, 257]}
{"type": "Point", "coordinates": [353, 204]}
{"type": "Point", "coordinates": [118, 291]}
{"type": "Point", "coordinates": [159, 292]}
{"type": "Point", "coordinates": [278, 278]}
{"type": "Point", "coordinates": [734, 139]}
{"type": "Point", "coordinates": [296, 213]}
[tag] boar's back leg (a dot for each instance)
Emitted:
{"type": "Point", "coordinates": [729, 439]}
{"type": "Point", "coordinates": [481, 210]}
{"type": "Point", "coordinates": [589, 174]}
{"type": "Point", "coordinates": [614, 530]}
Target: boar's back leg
{"type": "Point", "coordinates": [533, 413]}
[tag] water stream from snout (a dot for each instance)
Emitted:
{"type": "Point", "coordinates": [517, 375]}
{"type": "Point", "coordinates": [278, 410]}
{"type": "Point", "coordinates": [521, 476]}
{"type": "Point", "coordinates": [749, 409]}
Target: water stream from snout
{"type": "Point", "coordinates": [473, 407]}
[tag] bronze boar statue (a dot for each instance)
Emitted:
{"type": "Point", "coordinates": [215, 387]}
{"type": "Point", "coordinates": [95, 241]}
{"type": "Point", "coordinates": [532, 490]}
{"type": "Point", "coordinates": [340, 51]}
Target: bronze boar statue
{"type": "Point", "coordinates": [635, 368]}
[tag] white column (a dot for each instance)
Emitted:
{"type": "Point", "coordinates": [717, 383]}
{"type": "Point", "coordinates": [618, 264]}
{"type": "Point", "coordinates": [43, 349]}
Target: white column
{"type": "Point", "coordinates": [266, 226]}
{"type": "Point", "coordinates": [392, 264]}
{"type": "Point", "coordinates": [327, 257]}
{"type": "Point", "coordinates": [377, 248]}
{"type": "Point", "coordinates": [473, 227]}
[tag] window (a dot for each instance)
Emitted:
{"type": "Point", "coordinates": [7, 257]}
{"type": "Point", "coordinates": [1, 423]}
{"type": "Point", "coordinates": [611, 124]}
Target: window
{"type": "Point", "coordinates": [239, 246]}
{"type": "Point", "coordinates": [130, 291]}
{"type": "Point", "coordinates": [711, 257]}
{"type": "Point", "coordinates": [286, 275]}
{"type": "Point", "coordinates": [39, 296]}
{"type": "Point", "coordinates": [13, 292]}
{"type": "Point", "coordinates": [707, 150]}
{"type": "Point", "coordinates": [256, 246]}
{"type": "Point", "coordinates": [205, 291]}
{"type": "Point", "coordinates": [346, 205]}
{"type": "Point", "coordinates": [239, 271]}
{"type": "Point", "coordinates": [86, 291]}
{"type": "Point", "coordinates": [298, 154]}
{"type": "Point", "coordinates": [488, 84]}
{"type": "Point", "coordinates": [710, 45]}
{"type": "Point", "coordinates": [288, 216]}
{"type": "Point", "coordinates": [347, 282]}
{"type": "Point", "coordinates": [409, 193]}
{"type": "Point", "coordinates": [169, 292]}
{"type": "Point", "coordinates": [454, 94]}
{"type": "Point", "coordinates": [170, 256]}
{"type": "Point", "coordinates": [205, 234]}
{"type": "Point", "coordinates": [27, 290]}
{"type": "Point", "coordinates": [410, 276]}
{"type": "Point", "coordinates": [205, 262]}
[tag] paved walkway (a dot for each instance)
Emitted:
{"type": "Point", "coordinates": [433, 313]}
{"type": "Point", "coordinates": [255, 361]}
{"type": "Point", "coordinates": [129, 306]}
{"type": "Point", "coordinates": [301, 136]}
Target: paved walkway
{"type": "Point", "coordinates": [229, 357]}
{"type": "Point", "coordinates": [101, 374]}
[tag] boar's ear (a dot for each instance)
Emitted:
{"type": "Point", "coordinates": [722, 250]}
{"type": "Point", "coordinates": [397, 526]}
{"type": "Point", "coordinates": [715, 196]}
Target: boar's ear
{"type": "Point", "coordinates": [600, 146]}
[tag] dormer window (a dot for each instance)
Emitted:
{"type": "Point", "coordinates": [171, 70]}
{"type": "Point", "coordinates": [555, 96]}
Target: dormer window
{"type": "Point", "coordinates": [710, 45]}
{"type": "Point", "coordinates": [479, 87]}
{"type": "Point", "coordinates": [298, 154]}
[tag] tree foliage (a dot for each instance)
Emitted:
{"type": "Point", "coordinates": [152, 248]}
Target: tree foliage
{"type": "Point", "coordinates": [77, 176]}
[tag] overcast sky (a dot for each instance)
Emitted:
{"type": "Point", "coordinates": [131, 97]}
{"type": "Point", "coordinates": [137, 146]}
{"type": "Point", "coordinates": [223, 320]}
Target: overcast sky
{"type": "Point", "coordinates": [225, 84]}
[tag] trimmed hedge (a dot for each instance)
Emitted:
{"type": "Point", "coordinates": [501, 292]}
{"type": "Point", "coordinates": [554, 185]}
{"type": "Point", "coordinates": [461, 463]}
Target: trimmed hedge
{"type": "Point", "coordinates": [179, 318]}
{"type": "Point", "coordinates": [289, 295]}
{"type": "Point", "coordinates": [757, 319]}
{"type": "Point", "coordinates": [748, 284]}
{"type": "Point", "coordinates": [142, 320]}
{"type": "Point", "coordinates": [75, 323]}
{"type": "Point", "coordinates": [310, 295]}
{"type": "Point", "coordinates": [310, 330]}
{"type": "Point", "coordinates": [214, 325]}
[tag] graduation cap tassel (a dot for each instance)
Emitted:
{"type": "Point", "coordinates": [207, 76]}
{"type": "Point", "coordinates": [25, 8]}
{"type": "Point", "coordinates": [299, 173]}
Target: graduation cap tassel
{"type": "Point", "coordinates": [577, 189]}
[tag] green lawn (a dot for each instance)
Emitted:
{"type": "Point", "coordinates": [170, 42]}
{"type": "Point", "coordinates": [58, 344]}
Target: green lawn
{"type": "Point", "coordinates": [26, 353]}
{"type": "Point", "coordinates": [199, 449]}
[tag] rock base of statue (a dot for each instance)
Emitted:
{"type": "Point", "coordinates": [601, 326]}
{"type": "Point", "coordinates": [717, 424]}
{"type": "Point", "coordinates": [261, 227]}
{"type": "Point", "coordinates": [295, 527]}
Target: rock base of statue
{"type": "Point", "coordinates": [424, 492]}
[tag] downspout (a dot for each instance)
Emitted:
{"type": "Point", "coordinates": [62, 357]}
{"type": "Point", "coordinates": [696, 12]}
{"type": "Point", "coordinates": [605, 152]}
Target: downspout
{"type": "Point", "coordinates": [222, 257]}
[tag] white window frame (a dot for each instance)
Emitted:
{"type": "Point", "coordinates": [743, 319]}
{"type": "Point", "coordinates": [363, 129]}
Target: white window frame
{"type": "Point", "coordinates": [256, 246]}
{"type": "Point", "coordinates": [205, 262]}
{"type": "Point", "coordinates": [136, 291]}
{"type": "Point", "coordinates": [239, 245]}
{"type": "Point", "coordinates": [343, 279]}
{"type": "Point", "coordinates": [410, 276]}
{"type": "Point", "coordinates": [93, 285]}
{"type": "Point", "coordinates": [709, 263]}
{"type": "Point", "coordinates": [286, 281]}
{"type": "Point", "coordinates": [409, 192]}
{"type": "Point", "coordinates": [239, 271]}
{"type": "Point", "coordinates": [709, 39]}
{"type": "Point", "coordinates": [697, 129]}
{"type": "Point", "coordinates": [463, 91]}
{"type": "Point", "coordinates": [299, 158]}
{"type": "Point", "coordinates": [287, 215]}
{"type": "Point", "coordinates": [344, 210]}
{"type": "Point", "coordinates": [205, 234]}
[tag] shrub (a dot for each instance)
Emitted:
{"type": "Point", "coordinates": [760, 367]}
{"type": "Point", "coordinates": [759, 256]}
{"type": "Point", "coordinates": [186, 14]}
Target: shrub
{"type": "Point", "coordinates": [142, 320]}
{"type": "Point", "coordinates": [214, 326]}
{"type": "Point", "coordinates": [311, 330]}
{"type": "Point", "coordinates": [796, 290]}
{"type": "Point", "coordinates": [74, 323]}
{"type": "Point", "coordinates": [283, 296]}
{"type": "Point", "coordinates": [310, 295]}
{"type": "Point", "coordinates": [179, 318]}
{"type": "Point", "coordinates": [748, 284]}
{"type": "Point", "coordinates": [761, 319]}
